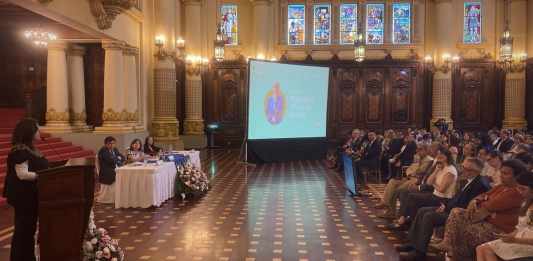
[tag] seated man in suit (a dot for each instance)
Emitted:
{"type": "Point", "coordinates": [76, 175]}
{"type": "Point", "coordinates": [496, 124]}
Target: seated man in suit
{"type": "Point", "coordinates": [414, 176]}
{"type": "Point", "coordinates": [506, 143]}
{"type": "Point", "coordinates": [427, 218]}
{"type": "Point", "coordinates": [108, 159]}
{"type": "Point", "coordinates": [405, 157]}
{"type": "Point", "coordinates": [369, 155]}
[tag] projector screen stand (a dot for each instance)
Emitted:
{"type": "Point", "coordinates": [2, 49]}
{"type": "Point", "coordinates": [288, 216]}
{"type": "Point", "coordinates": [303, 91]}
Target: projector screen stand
{"type": "Point", "coordinates": [243, 154]}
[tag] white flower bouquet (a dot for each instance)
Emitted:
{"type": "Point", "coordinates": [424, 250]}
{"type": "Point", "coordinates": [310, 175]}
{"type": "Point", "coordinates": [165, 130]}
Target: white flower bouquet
{"type": "Point", "coordinates": [99, 246]}
{"type": "Point", "coordinates": [192, 179]}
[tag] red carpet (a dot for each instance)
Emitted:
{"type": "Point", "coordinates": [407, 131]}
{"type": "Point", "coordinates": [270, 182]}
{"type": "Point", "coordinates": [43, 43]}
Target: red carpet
{"type": "Point", "coordinates": [53, 148]}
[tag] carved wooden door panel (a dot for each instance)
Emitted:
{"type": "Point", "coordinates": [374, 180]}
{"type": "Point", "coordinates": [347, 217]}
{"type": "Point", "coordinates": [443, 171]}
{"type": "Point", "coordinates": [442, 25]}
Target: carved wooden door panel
{"type": "Point", "coordinates": [372, 98]}
{"type": "Point", "coordinates": [346, 101]}
{"type": "Point", "coordinates": [227, 104]}
{"type": "Point", "coordinates": [401, 95]}
{"type": "Point", "coordinates": [475, 99]}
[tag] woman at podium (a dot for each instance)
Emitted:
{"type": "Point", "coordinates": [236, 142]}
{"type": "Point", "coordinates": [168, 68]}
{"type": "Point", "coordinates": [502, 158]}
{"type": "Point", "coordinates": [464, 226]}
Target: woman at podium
{"type": "Point", "coordinates": [23, 161]}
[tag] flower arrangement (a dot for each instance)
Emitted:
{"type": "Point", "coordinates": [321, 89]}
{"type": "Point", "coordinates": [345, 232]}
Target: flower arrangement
{"type": "Point", "coordinates": [195, 179]}
{"type": "Point", "coordinates": [98, 245]}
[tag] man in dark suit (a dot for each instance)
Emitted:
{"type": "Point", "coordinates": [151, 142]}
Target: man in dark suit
{"type": "Point", "coordinates": [427, 218]}
{"type": "Point", "coordinates": [405, 157]}
{"type": "Point", "coordinates": [395, 147]}
{"type": "Point", "coordinates": [370, 153]}
{"type": "Point", "coordinates": [506, 143]}
{"type": "Point", "coordinates": [108, 159]}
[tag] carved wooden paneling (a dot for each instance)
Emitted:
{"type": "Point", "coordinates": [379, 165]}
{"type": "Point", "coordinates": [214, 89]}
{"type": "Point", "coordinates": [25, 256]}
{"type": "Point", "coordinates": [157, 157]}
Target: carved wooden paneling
{"type": "Point", "coordinates": [347, 84]}
{"type": "Point", "coordinates": [225, 102]}
{"type": "Point", "coordinates": [401, 87]}
{"type": "Point", "coordinates": [476, 96]}
{"type": "Point", "coordinates": [373, 101]}
{"type": "Point", "coordinates": [529, 94]}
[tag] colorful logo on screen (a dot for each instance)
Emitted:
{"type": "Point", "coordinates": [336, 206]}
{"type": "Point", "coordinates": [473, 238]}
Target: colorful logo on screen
{"type": "Point", "coordinates": [275, 105]}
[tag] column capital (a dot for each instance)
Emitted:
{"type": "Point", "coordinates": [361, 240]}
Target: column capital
{"type": "Point", "coordinates": [191, 2]}
{"type": "Point", "coordinates": [130, 50]}
{"type": "Point", "coordinates": [112, 45]}
{"type": "Point", "coordinates": [76, 50]}
{"type": "Point", "coordinates": [58, 45]}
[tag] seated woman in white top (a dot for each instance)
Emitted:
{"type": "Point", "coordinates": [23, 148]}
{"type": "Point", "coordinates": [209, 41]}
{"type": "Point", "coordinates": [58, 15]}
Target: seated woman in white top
{"type": "Point", "coordinates": [135, 153]}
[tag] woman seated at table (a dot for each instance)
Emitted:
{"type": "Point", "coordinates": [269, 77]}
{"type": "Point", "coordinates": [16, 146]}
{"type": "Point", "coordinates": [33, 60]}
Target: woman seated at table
{"type": "Point", "coordinates": [149, 147]}
{"type": "Point", "coordinates": [517, 244]}
{"type": "Point", "coordinates": [489, 214]}
{"type": "Point", "coordinates": [135, 153]}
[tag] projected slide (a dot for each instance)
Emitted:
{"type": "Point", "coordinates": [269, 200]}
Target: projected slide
{"type": "Point", "coordinates": [287, 101]}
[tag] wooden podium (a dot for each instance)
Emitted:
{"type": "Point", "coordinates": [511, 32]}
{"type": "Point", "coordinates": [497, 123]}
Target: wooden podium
{"type": "Point", "coordinates": [66, 195]}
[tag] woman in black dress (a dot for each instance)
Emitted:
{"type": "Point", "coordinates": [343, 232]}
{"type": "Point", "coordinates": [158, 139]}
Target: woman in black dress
{"type": "Point", "coordinates": [23, 161]}
{"type": "Point", "coordinates": [149, 147]}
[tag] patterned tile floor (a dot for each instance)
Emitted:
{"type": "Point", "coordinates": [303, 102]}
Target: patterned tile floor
{"type": "Point", "coordinates": [282, 211]}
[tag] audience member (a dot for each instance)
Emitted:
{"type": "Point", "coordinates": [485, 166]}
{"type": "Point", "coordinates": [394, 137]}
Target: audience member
{"type": "Point", "coordinates": [443, 180]}
{"type": "Point", "coordinates": [108, 159]}
{"type": "Point", "coordinates": [489, 214]}
{"type": "Point", "coordinates": [492, 171]}
{"type": "Point", "coordinates": [428, 218]}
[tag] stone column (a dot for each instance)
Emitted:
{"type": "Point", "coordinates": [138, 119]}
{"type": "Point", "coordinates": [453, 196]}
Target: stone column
{"type": "Point", "coordinates": [131, 82]}
{"type": "Point", "coordinates": [442, 97]}
{"type": "Point", "coordinates": [165, 125]}
{"type": "Point", "coordinates": [193, 124]}
{"type": "Point", "coordinates": [114, 114]}
{"type": "Point", "coordinates": [515, 100]}
{"type": "Point", "coordinates": [57, 93]}
{"type": "Point", "coordinates": [77, 88]}
{"type": "Point", "coordinates": [261, 32]}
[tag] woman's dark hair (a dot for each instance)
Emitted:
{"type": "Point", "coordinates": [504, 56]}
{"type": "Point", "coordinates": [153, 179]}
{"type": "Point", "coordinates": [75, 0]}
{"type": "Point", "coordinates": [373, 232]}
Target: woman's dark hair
{"type": "Point", "coordinates": [109, 139]}
{"type": "Point", "coordinates": [135, 141]}
{"type": "Point", "coordinates": [517, 166]}
{"type": "Point", "coordinates": [24, 132]}
{"type": "Point", "coordinates": [146, 140]}
{"type": "Point", "coordinates": [448, 156]}
{"type": "Point", "coordinates": [495, 154]}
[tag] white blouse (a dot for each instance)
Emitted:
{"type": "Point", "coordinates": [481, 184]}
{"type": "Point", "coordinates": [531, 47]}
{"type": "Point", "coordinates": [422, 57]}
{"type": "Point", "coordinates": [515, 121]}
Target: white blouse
{"type": "Point", "coordinates": [23, 173]}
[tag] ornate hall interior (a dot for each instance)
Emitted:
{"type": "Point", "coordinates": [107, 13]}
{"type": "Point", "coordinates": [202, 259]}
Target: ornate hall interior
{"type": "Point", "coordinates": [182, 73]}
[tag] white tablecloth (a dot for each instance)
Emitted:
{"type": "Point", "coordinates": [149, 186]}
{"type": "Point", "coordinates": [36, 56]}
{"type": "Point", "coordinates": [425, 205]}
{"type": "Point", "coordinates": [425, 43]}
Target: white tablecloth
{"type": "Point", "coordinates": [144, 186]}
{"type": "Point", "coordinates": [194, 156]}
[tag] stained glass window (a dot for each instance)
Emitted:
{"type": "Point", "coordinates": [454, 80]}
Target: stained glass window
{"type": "Point", "coordinates": [228, 24]}
{"type": "Point", "coordinates": [322, 24]}
{"type": "Point", "coordinates": [348, 23]}
{"type": "Point", "coordinates": [472, 23]}
{"type": "Point", "coordinates": [296, 24]}
{"type": "Point", "coordinates": [401, 23]}
{"type": "Point", "coordinates": [375, 14]}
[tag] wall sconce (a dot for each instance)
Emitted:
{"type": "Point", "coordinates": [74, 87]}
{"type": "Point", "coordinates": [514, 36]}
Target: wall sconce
{"type": "Point", "coordinates": [161, 53]}
{"type": "Point", "coordinates": [180, 48]}
{"type": "Point", "coordinates": [196, 64]}
{"type": "Point", "coordinates": [445, 66]}
{"type": "Point", "coordinates": [273, 59]}
{"type": "Point", "coordinates": [516, 64]}
{"type": "Point", "coordinates": [260, 56]}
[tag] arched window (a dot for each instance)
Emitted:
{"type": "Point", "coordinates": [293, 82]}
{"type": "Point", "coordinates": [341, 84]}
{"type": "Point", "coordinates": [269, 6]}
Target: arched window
{"type": "Point", "coordinates": [401, 23]}
{"type": "Point", "coordinates": [229, 23]}
{"type": "Point", "coordinates": [322, 24]}
{"type": "Point", "coordinates": [348, 23]}
{"type": "Point", "coordinates": [296, 24]}
{"type": "Point", "coordinates": [472, 23]}
{"type": "Point", "coordinates": [375, 20]}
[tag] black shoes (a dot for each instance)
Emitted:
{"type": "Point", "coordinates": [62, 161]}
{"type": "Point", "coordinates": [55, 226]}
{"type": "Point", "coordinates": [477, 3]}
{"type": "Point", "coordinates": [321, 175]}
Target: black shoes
{"type": "Point", "coordinates": [405, 248]}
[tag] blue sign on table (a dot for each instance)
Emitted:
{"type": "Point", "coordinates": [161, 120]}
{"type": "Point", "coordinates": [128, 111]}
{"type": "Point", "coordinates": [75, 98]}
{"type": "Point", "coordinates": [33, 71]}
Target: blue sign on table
{"type": "Point", "coordinates": [349, 179]}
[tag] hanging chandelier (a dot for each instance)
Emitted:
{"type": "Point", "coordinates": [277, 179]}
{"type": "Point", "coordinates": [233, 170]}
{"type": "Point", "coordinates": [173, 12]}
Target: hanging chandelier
{"type": "Point", "coordinates": [506, 40]}
{"type": "Point", "coordinates": [359, 48]}
{"type": "Point", "coordinates": [359, 45]}
{"type": "Point", "coordinates": [39, 37]}
{"type": "Point", "coordinates": [219, 45]}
